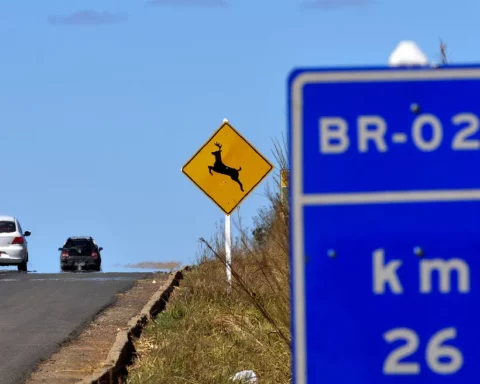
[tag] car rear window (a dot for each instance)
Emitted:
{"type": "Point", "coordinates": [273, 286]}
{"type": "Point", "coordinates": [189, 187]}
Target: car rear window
{"type": "Point", "coordinates": [7, 227]}
{"type": "Point", "coordinates": [79, 243]}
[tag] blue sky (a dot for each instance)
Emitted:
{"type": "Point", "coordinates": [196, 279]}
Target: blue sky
{"type": "Point", "coordinates": [104, 101]}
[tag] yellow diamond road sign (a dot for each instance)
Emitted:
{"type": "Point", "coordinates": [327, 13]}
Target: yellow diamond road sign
{"type": "Point", "coordinates": [227, 168]}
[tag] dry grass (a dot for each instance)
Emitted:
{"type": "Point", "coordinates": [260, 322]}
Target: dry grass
{"type": "Point", "coordinates": [210, 332]}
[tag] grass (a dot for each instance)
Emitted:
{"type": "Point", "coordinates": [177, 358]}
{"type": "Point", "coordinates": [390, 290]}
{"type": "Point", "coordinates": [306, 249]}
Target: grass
{"type": "Point", "coordinates": [210, 331]}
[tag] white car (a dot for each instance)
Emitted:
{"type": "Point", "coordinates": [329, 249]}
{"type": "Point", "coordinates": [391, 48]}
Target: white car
{"type": "Point", "coordinates": [13, 243]}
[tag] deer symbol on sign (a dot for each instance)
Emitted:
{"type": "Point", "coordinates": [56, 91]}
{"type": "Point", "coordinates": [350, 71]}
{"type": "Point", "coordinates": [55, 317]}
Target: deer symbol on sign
{"type": "Point", "coordinates": [221, 168]}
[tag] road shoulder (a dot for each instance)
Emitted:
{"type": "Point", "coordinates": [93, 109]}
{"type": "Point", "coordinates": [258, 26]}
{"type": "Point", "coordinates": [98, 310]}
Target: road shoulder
{"type": "Point", "coordinates": [101, 343]}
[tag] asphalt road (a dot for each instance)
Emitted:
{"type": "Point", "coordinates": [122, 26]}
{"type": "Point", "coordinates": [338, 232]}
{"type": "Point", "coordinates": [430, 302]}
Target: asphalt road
{"type": "Point", "coordinates": [39, 311]}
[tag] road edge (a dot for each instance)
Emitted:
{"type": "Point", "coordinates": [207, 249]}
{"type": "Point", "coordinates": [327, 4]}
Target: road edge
{"type": "Point", "coordinates": [121, 353]}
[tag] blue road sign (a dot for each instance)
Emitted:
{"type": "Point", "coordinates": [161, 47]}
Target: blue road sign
{"type": "Point", "coordinates": [385, 225]}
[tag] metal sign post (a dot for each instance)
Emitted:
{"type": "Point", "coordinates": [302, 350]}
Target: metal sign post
{"type": "Point", "coordinates": [228, 248]}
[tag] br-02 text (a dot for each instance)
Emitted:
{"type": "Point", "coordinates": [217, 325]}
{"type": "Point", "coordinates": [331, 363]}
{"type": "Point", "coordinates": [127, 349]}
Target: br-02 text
{"type": "Point", "coordinates": [427, 134]}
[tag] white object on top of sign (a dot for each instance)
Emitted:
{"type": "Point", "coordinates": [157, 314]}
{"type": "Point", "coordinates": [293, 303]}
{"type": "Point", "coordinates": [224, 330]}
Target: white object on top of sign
{"type": "Point", "coordinates": [407, 53]}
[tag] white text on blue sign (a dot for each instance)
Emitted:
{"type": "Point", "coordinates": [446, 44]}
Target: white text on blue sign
{"type": "Point", "coordinates": [441, 359]}
{"type": "Point", "coordinates": [372, 134]}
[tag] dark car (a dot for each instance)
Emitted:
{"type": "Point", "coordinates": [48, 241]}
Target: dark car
{"type": "Point", "coordinates": [80, 253]}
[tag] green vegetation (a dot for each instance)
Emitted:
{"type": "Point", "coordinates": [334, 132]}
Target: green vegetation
{"type": "Point", "coordinates": [210, 331]}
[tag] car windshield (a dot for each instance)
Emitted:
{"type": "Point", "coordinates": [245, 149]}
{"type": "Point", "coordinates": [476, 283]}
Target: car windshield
{"type": "Point", "coordinates": [7, 227]}
{"type": "Point", "coordinates": [79, 243]}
